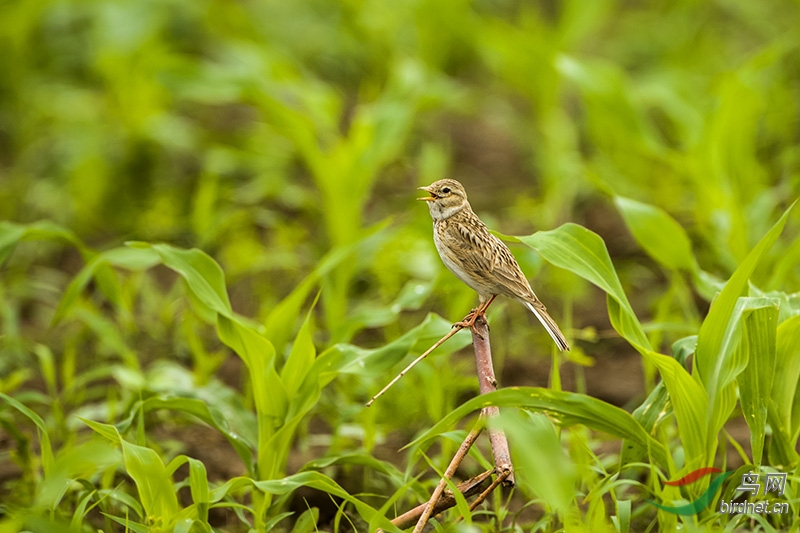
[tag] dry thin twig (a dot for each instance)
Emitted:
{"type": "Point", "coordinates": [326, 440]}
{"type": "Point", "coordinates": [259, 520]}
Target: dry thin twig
{"type": "Point", "coordinates": [456, 329]}
{"type": "Point", "coordinates": [451, 469]}
{"type": "Point", "coordinates": [468, 321]}
{"type": "Point", "coordinates": [501, 478]}
{"type": "Point", "coordinates": [467, 488]}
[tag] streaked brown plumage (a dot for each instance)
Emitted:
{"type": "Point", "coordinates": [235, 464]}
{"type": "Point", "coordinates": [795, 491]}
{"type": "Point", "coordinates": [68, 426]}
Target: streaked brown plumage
{"type": "Point", "coordinates": [477, 257]}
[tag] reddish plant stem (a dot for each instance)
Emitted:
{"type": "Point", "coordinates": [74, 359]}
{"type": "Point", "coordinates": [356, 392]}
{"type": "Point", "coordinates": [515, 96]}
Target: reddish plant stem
{"type": "Point", "coordinates": [488, 383]}
{"type": "Point", "coordinates": [441, 499]}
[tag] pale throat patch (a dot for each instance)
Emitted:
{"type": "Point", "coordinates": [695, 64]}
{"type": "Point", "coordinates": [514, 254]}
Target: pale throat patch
{"type": "Point", "coordinates": [439, 212]}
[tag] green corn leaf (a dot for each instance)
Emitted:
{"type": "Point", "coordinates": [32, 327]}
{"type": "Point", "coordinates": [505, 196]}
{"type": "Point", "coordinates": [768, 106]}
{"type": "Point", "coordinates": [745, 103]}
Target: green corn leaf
{"type": "Point", "coordinates": [583, 252]}
{"type": "Point", "coordinates": [274, 453]}
{"type": "Point", "coordinates": [44, 434]}
{"type": "Point", "coordinates": [275, 520]}
{"type": "Point", "coordinates": [655, 408]}
{"type": "Point", "coordinates": [787, 372]}
{"type": "Point", "coordinates": [198, 485]}
{"type": "Point", "coordinates": [541, 465]}
{"type": "Point", "coordinates": [355, 458]}
{"type": "Point", "coordinates": [148, 472]}
{"type": "Point", "coordinates": [269, 392]}
{"type": "Point", "coordinates": [717, 362]}
{"type": "Point", "coordinates": [81, 461]}
{"type": "Point", "coordinates": [259, 357]}
{"type": "Point", "coordinates": [658, 234]}
{"type": "Point", "coordinates": [315, 480]}
{"type": "Point", "coordinates": [622, 520]}
{"type": "Point", "coordinates": [307, 521]}
{"type": "Point", "coordinates": [350, 359]}
{"type": "Point", "coordinates": [579, 250]}
{"type": "Point", "coordinates": [130, 258]}
{"type": "Point", "coordinates": [714, 337]}
{"type": "Point", "coordinates": [689, 401]}
{"type": "Point", "coordinates": [136, 527]}
{"type": "Point", "coordinates": [202, 274]}
{"type": "Point", "coordinates": [31, 522]}
{"type": "Point", "coordinates": [12, 233]}
{"type": "Point", "coordinates": [783, 409]}
{"type": "Point", "coordinates": [322, 482]}
{"type": "Point", "coordinates": [301, 356]}
{"type": "Point", "coordinates": [280, 322]}
{"type": "Point", "coordinates": [109, 333]}
{"type": "Point", "coordinates": [758, 326]}
{"type": "Point", "coordinates": [188, 525]}
{"type": "Point", "coordinates": [81, 509]}
{"type": "Point", "coordinates": [733, 359]}
{"type": "Point", "coordinates": [565, 408]}
{"type": "Point", "coordinates": [200, 409]}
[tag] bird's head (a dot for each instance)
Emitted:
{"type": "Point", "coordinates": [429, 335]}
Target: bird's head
{"type": "Point", "coordinates": [447, 197]}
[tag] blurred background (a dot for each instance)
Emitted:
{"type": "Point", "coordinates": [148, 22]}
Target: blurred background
{"type": "Point", "coordinates": [286, 140]}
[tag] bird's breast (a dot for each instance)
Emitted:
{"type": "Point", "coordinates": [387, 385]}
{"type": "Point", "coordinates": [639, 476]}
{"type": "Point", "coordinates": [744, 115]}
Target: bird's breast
{"type": "Point", "coordinates": [449, 255]}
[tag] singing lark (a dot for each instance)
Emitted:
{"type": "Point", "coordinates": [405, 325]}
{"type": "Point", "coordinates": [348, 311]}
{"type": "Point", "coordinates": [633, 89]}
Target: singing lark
{"type": "Point", "coordinates": [477, 257]}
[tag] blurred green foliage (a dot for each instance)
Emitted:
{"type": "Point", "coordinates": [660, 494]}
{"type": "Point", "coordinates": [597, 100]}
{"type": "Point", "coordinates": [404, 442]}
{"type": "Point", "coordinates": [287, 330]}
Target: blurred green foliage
{"type": "Point", "coordinates": [149, 386]}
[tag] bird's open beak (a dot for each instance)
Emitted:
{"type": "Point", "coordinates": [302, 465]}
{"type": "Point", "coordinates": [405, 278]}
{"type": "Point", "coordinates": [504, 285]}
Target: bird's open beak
{"type": "Point", "coordinates": [430, 198]}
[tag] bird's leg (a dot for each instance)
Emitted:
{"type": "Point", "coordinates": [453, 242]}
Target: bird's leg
{"type": "Point", "coordinates": [472, 316]}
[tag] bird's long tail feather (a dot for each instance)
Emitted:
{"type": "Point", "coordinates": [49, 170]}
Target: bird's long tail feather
{"type": "Point", "coordinates": [549, 324]}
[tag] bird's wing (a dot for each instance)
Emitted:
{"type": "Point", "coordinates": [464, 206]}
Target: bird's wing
{"type": "Point", "coordinates": [507, 270]}
{"type": "Point", "coordinates": [484, 254]}
{"type": "Point", "coordinates": [471, 246]}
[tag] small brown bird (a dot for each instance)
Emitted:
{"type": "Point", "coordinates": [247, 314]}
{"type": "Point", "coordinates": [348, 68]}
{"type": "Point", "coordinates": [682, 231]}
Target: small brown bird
{"type": "Point", "coordinates": [477, 257]}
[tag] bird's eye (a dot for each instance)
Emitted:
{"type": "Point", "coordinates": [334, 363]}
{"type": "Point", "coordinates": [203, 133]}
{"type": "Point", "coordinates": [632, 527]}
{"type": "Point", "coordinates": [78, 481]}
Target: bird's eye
{"type": "Point", "coordinates": [446, 190]}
